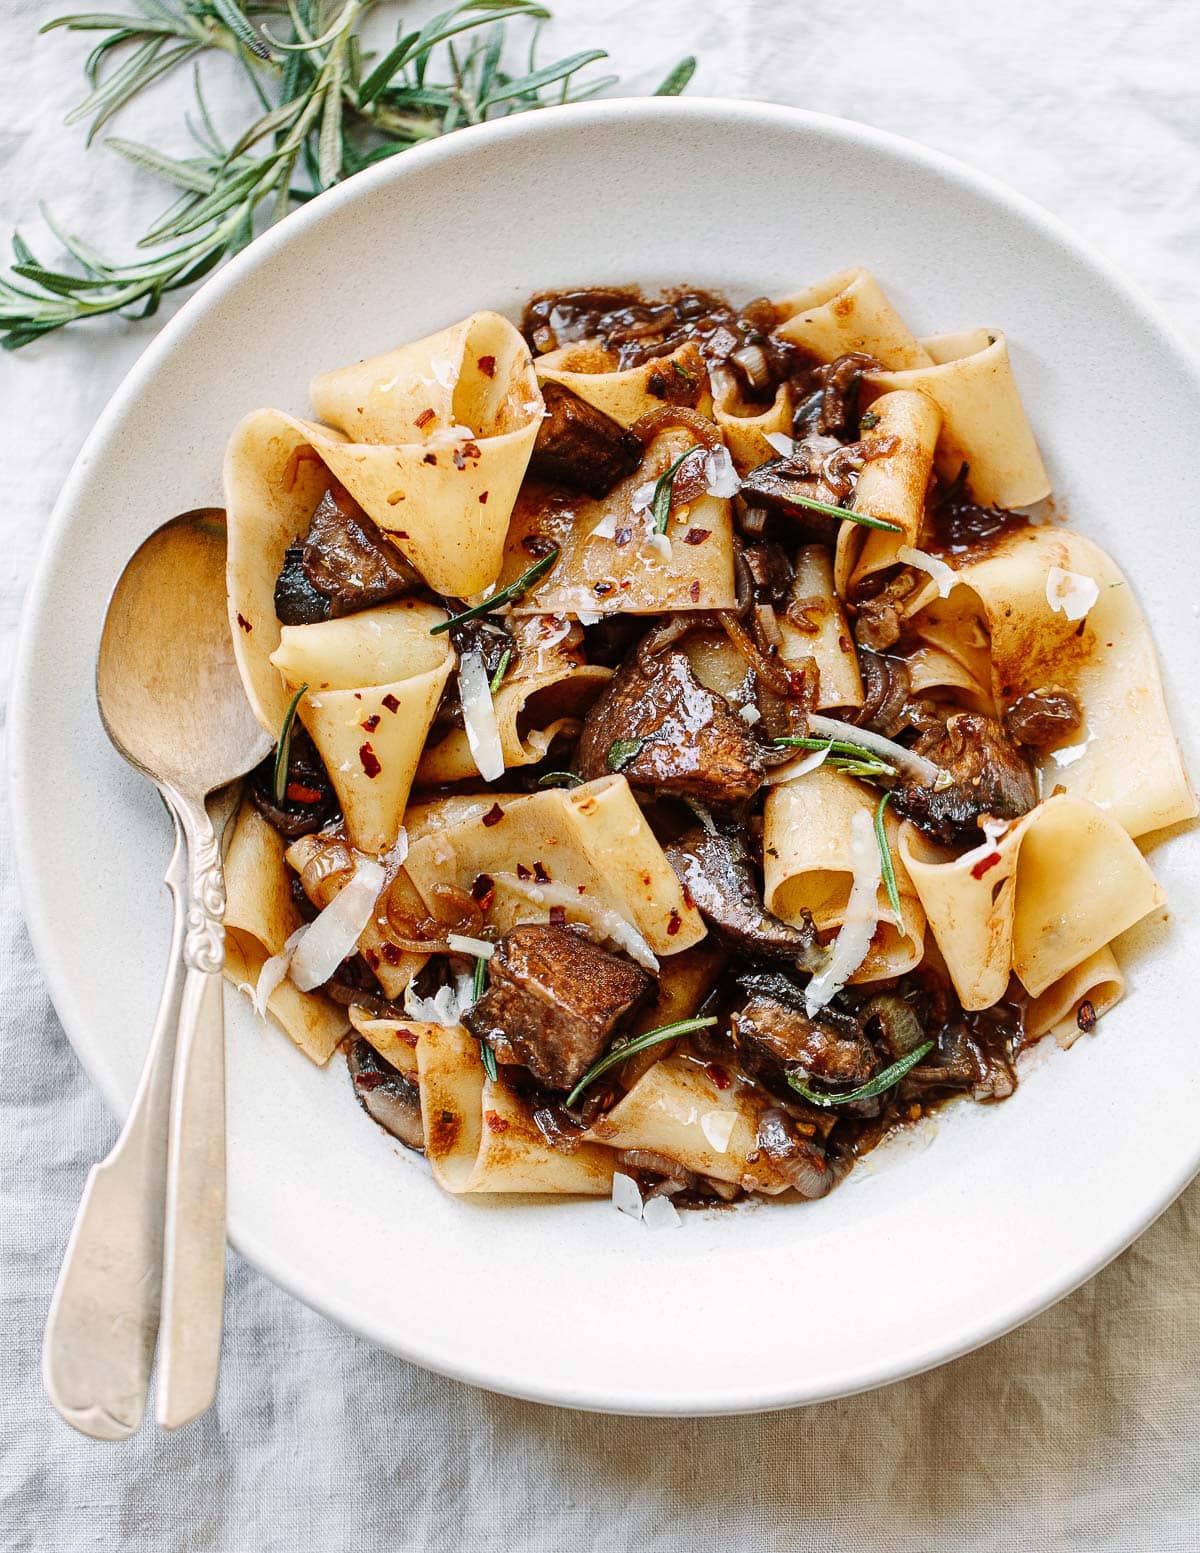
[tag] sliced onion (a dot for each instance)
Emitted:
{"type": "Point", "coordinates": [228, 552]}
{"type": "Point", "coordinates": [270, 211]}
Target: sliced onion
{"type": "Point", "coordinates": [479, 947]}
{"type": "Point", "coordinates": [797, 768]}
{"type": "Point", "coordinates": [334, 935]}
{"type": "Point", "coordinates": [660, 1213]}
{"type": "Point", "coordinates": [945, 576]}
{"type": "Point", "coordinates": [625, 1195]}
{"type": "Point", "coordinates": [600, 921]}
{"type": "Point", "coordinates": [916, 766]}
{"type": "Point", "coordinates": [479, 717]}
{"type": "Point", "coordinates": [861, 919]}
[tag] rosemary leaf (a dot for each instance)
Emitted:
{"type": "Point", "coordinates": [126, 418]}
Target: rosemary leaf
{"type": "Point", "coordinates": [847, 513]}
{"type": "Point", "coordinates": [505, 596]}
{"type": "Point", "coordinates": [479, 986]}
{"type": "Point", "coordinates": [885, 858]}
{"type": "Point", "coordinates": [868, 1091]}
{"type": "Point", "coordinates": [234, 18]}
{"type": "Point", "coordinates": [660, 502]}
{"type": "Point", "coordinates": [283, 750]}
{"type": "Point", "coordinates": [621, 752]}
{"type": "Point", "coordinates": [678, 79]}
{"type": "Point", "coordinates": [638, 1043]}
{"type": "Point", "coordinates": [560, 779]}
{"type": "Point", "coordinates": [501, 670]}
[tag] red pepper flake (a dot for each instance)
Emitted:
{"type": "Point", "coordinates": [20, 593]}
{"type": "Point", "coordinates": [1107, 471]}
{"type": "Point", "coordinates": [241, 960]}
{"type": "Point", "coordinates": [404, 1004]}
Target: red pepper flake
{"type": "Point", "coordinates": [581, 888]}
{"type": "Point", "coordinates": [558, 916]}
{"type": "Point", "coordinates": [371, 958]}
{"type": "Point", "coordinates": [674, 923]}
{"type": "Point", "coordinates": [694, 592]}
{"type": "Point", "coordinates": [471, 449]}
{"type": "Point", "coordinates": [984, 864]}
{"type": "Point", "coordinates": [430, 458]}
{"type": "Point", "coordinates": [391, 953]}
{"type": "Point", "coordinates": [540, 874]}
{"type": "Point", "coordinates": [845, 644]}
{"type": "Point", "coordinates": [1086, 1016]}
{"type": "Point", "coordinates": [399, 533]}
{"type": "Point", "coordinates": [483, 496]}
{"type": "Point", "coordinates": [622, 537]}
{"type": "Point", "coordinates": [718, 1074]}
{"type": "Point", "coordinates": [487, 365]}
{"type": "Point", "coordinates": [370, 723]}
{"type": "Point", "coordinates": [298, 793]}
{"type": "Point", "coordinates": [483, 890]}
{"type": "Point", "coordinates": [494, 815]}
{"type": "Point", "coordinates": [409, 1037]}
{"type": "Point", "coordinates": [244, 623]}
{"type": "Point", "coordinates": [369, 1081]}
{"type": "Point", "coordinates": [495, 1122]}
{"type": "Point", "coordinates": [425, 417]}
{"type": "Point", "coordinates": [601, 588]}
{"type": "Point", "coordinates": [696, 536]}
{"type": "Point", "coordinates": [370, 761]}
{"type": "Point", "coordinates": [523, 872]}
{"type": "Point", "coordinates": [391, 703]}
{"type": "Point", "coordinates": [357, 693]}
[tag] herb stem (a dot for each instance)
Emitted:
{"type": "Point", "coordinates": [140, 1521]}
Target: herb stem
{"type": "Point", "coordinates": [885, 858]}
{"type": "Point", "coordinates": [634, 1044]}
{"type": "Point", "coordinates": [479, 986]}
{"type": "Point", "coordinates": [660, 502]}
{"type": "Point", "coordinates": [847, 513]}
{"type": "Point", "coordinates": [283, 750]}
{"type": "Point", "coordinates": [505, 596]}
{"type": "Point", "coordinates": [868, 1091]}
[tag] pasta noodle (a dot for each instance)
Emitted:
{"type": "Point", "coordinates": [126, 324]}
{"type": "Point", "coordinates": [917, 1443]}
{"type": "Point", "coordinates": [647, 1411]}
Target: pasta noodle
{"type": "Point", "coordinates": [847, 313]}
{"type": "Point", "coordinates": [592, 372]}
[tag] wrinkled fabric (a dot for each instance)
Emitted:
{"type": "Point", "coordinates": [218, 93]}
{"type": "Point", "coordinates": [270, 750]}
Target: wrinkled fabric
{"type": "Point", "coordinates": [1077, 1432]}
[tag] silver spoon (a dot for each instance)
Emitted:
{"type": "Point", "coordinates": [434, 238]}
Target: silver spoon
{"type": "Point", "coordinates": [152, 1217]}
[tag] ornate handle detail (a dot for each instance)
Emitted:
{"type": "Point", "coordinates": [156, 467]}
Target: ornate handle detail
{"type": "Point", "coordinates": [204, 945]}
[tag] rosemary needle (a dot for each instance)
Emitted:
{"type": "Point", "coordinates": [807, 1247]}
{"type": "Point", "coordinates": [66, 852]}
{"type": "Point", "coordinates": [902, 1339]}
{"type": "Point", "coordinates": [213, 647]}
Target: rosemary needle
{"type": "Point", "coordinates": [283, 750]}
{"type": "Point", "coordinates": [637, 1043]}
{"type": "Point", "coordinates": [868, 1091]}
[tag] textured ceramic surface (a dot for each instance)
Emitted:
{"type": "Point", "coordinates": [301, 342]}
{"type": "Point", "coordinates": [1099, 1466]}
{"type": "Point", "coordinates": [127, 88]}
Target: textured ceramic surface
{"type": "Point", "coordinates": [942, 1240]}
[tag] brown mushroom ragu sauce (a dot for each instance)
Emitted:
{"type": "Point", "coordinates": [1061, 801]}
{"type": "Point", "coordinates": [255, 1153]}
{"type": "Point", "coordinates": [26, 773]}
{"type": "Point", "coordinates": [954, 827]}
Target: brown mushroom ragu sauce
{"type": "Point", "coordinates": [698, 749]}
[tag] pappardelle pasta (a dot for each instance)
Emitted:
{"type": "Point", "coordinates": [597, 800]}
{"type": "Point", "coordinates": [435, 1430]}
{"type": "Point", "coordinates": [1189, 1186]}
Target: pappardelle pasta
{"type": "Point", "coordinates": [699, 752]}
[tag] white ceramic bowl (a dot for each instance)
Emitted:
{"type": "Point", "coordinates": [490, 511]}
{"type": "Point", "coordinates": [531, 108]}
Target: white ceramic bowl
{"type": "Point", "coordinates": [926, 1251]}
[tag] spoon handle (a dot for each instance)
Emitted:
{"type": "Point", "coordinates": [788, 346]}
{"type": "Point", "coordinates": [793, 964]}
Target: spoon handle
{"type": "Point", "coordinates": [103, 1317]}
{"type": "Point", "coordinates": [193, 1296]}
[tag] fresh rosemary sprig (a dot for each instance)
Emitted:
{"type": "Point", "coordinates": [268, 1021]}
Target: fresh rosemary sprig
{"type": "Point", "coordinates": [664, 490]}
{"type": "Point", "coordinates": [868, 1091]}
{"type": "Point", "coordinates": [885, 859]}
{"type": "Point", "coordinates": [560, 779]}
{"type": "Point", "coordinates": [327, 110]}
{"type": "Point", "coordinates": [501, 670]}
{"type": "Point", "coordinates": [479, 984]}
{"type": "Point", "coordinates": [515, 589]}
{"type": "Point", "coordinates": [635, 1044]}
{"type": "Point", "coordinates": [848, 513]}
{"type": "Point", "coordinates": [853, 759]}
{"type": "Point", "coordinates": [283, 750]}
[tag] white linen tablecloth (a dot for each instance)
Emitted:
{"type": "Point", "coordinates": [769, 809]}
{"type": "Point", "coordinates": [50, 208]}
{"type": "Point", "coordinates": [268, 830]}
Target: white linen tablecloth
{"type": "Point", "coordinates": [1079, 1431]}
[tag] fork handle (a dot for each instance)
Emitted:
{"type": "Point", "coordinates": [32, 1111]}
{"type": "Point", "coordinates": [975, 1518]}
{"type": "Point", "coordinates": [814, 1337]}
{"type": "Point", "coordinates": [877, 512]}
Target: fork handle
{"type": "Point", "coordinates": [100, 1331]}
{"type": "Point", "coordinates": [193, 1295]}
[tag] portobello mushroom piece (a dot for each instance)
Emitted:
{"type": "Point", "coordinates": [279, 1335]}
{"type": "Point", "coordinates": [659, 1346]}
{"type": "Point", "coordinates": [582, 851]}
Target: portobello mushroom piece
{"type": "Point", "coordinates": [779, 485]}
{"type": "Point", "coordinates": [349, 560]}
{"type": "Point", "coordinates": [308, 796]}
{"type": "Point", "coordinates": [658, 725]}
{"type": "Point", "coordinates": [553, 1001]}
{"type": "Point", "coordinates": [718, 873]}
{"type": "Point", "coordinates": [1043, 719]}
{"type": "Point", "coordinates": [830, 1045]}
{"type": "Point", "coordinates": [579, 446]}
{"type": "Point", "coordinates": [771, 572]}
{"type": "Point", "coordinates": [385, 1094]}
{"type": "Point", "coordinates": [988, 776]}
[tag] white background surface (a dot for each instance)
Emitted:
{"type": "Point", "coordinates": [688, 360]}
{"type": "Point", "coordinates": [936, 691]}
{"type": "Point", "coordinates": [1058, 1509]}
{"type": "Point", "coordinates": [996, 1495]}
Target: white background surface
{"type": "Point", "coordinates": [1076, 1432]}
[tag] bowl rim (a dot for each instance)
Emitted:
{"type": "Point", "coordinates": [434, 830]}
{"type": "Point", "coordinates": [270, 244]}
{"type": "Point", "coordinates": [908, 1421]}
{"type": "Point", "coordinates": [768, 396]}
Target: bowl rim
{"type": "Point", "coordinates": [907, 1361]}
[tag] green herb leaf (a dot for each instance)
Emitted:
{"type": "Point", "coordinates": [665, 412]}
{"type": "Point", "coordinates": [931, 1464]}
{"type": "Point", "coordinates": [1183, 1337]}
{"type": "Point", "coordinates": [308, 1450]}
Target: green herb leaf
{"type": "Point", "coordinates": [839, 749]}
{"type": "Point", "coordinates": [678, 79]}
{"type": "Point", "coordinates": [486, 1055]}
{"type": "Point", "coordinates": [621, 752]}
{"type": "Point", "coordinates": [501, 670]}
{"type": "Point", "coordinates": [633, 1044]}
{"type": "Point", "coordinates": [232, 15]}
{"type": "Point", "coordinates": [660, 502]}
{"type": "Point", "coordinates": [283, 750]}
{"type": "Point", "coordinates": [505, 596]}
{"type": "Point", "coordinates": [885, 858]}
{"type": "Point", "coordinates": [845, 512]}
{"type": "Point", "coordinates": [868, 421]}
{"type": "Point", "coordinates": [560, 779]}
{"type": "Point", "coordinates": [867, 1091]}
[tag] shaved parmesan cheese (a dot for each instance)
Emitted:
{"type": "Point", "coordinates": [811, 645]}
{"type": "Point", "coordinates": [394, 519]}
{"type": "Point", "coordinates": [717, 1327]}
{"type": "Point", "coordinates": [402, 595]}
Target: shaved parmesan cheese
{"type": "Point", "coordinates": [587, 618]}
{"type": "Point", "coordinates": [750, 714]}
{"type": "Point", "coordinates": [395, 859]}
{"type": "Point", "coordinates": [479, 947]}
{"type": "Point", "coordinates": [782, 444]}
{"type": "Point", "coordinates": [1072, 593]}
{"type": "Point", "coordinates": [273, 972]}
{"type": "Point", "coordinates": [479, 717]}
{"type": "Point", "coordinates": [535, 407]}
{"type": "Point", "coordinates": [334, 935]}
{"type": "Point", "coordinates": [1071, 752]}
{"type": "Point", "coordinates": [717, 1127]}
{"type": "Point", "coordinates": [600, 921]}
{"type": "Point", "coordinates": [606, 528]}
{"type": "Point", "coordinates": [861, 919]}
{"type": "Point", "coordinates": [660, 1213]}
{"type": "Point", "coordinates": [720, 477]}
{"type": "Point", "coordinates": [642, 497]}
{"type": "Point", "coordinates": [625, 1195]}
{"type": "Point", "coordinates": [445, 1007]}
{"type": "Point", "coordinates": [945, 576]}
{"type": "Point", "coordinates": [444, 370]}
{"type": "Point", "coordinates": [658, 545]}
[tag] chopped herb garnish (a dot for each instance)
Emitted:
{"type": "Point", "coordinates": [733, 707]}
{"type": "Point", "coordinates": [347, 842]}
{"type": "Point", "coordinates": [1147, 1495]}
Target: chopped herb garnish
{"type": "Point", "coordinates": [501, 670]}
{"type": "Point", "coordinates": [844, 512]}
{"type": "Point", "coordinates": [486, 1054]}
{"type": "Point", "coordinates": [505, 596]}
{"type": "Point", "coordinates": [660, 502]}
{"type": "Point", "coordinates": [867, 1091]}
{"type": "Point", "coordinates": [633, 1044]}
{"type": "Point", "coordinates": [560, 779]}
{"type": "Point", "coordinates": [681, 371]}
{"type": "Point", "coordinates": [854, 759]}
{"type": "Point", "coordinates": [283, 750]}
{"type": "Point", "coordinates": [868, 421]}
{"type": "Point", "coordinates": [621, 752]}
{"type": "Point", "coordinates": [885, 858]}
